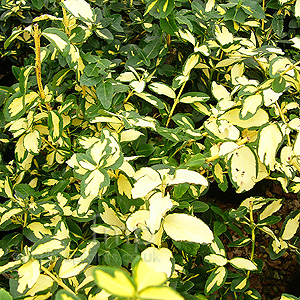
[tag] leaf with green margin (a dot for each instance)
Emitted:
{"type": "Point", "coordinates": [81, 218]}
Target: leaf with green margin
{"type": "Point", "coordinates": [55, 125]}
{"type": "Point", "coordinates": [47, 246]}
{"type": "Point", "coordinates": [17, 105]}
{"type": "Point", "coordinates": [58, 39]}
{"type": "Point", "coordinates": [239, 284]}
{"type": "Point", "coordinates": [23, 78]}
{"type": "Point", "coordinates": [215, 280]}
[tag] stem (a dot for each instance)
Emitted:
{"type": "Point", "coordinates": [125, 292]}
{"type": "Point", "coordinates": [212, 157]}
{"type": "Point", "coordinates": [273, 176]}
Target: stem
{"type": "Point", "coordinates": [176, 101]}
{"type": "Point", "coordinates": [58, 281]}
{"type": "Point", "coordinates": [130, 93]}
{"type": "Point", "coordinates": [38, 68]}
{"type": "Point", "coordinates": [290, 68]}
{"type": "Point", "coordinates": [262, 20]}
{"type": "Point", "coordinates": [284, 121]}
{"type": "Point", "coordinates": [252, 234]}
{"type": "Point", "coordinates": [239, 143]}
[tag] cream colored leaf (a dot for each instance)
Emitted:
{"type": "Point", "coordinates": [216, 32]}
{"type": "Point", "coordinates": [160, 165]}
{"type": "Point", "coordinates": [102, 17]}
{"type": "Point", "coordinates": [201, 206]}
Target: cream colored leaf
{"type": "Point", "coordinates": [138, 86]}
{"type": "Point", "coordinates": [223, 35]}
{"type": "Point", "coordinates": [243, 168]}
{"type": "Point", "coordinates": [270, 137]}
{"type": "Point", "coordinates": [38, 229]}
{"type": "Point", "coordinates": [260, 118]}
{"type": "Point", "coordinates": [162, 89]}
{"type": "Point", "coordinates": [290, 227]}
{"type": "Point", "coordinates": [159, 205]}
{"type": "Point", "coordinates": [79, 8]}
{"type": "Point", "coordinates": [158, 259]}
{"type": "Point", "coordinates": [251, 105]}
{"type": "Point", "coordinates": [48, 246]}
{"type": "Point", "coordinates": [182, 227]}
{"type": "Point", "coordinates": [190, 63]}
{"type": "Point", "coordinates": [243, 263]}
{"type": "Point", "coordinates": [137, 219]}
{"type": "Point", "coordinates": [220, 92]}
{"type": "Point", "coordinates": [271, 209]}
{"type": "Point", "coordinates": [130, 135]}
{"type": "Point", "coordinates": [184, 175]}
{"type": "Point", "coordinates": [216, 259]}
{"type": "Point", "coordinates": [43, 282]}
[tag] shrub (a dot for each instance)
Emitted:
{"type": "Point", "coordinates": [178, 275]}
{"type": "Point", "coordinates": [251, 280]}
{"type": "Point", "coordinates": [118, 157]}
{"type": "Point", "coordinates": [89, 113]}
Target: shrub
{"type": "Point", "coordinates": [119, 122]}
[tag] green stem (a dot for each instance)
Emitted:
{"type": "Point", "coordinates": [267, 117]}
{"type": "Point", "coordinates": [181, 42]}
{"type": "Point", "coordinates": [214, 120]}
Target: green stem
{"type": "Point", "coordinates": [176, 101]}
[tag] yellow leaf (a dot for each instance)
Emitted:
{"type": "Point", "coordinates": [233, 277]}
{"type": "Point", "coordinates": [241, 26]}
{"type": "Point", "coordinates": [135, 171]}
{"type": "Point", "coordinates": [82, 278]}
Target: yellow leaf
{"type": "Point", "coordinates": [43, 282]}
{"type": "Point", "coordinates": [124, 185]}
{"type": "Point", "coordinates": [251, 104]}
{"type": "Point", "coordinates": [93, 182]}
{"type": "Point", "coordinates": [130, 135]}
{"type": "Point", "coordinates": [48, 246]}
{"type": "Point", "coordinates": [182, 227]}
{"type": "Point", "coordinates": [39, 229]}
{"type": "Point", "coordinates": [216, 259]}
{"type": "Point", "coordinates": [32, 141]}
{"type": "Point", "coordinates": [80, 8]}
{"type": "Point", "coordinates": [145, 276]}
{"type": "Point", "coordinates": [162, 89]}
{"type": "Point", "coordinates": [291, 227]}
{"type": "Point", "coordinates": [260, 118]}
{"type": "Point", "coordinates": [116, 283]}
{"type": "Point", "coordinates": [190, 63]}
{"type": "Point", "coordinates": [29, 274]}
{"type": "Point", "coordinates": [160, 293]}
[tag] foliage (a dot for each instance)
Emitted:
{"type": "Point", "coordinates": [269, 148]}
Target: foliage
{"type": "Point", "coordinates": [119, 122]}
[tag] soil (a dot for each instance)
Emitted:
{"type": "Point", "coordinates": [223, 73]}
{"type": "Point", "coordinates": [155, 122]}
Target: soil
{"type": "Point", "coordinates": [278, 276]}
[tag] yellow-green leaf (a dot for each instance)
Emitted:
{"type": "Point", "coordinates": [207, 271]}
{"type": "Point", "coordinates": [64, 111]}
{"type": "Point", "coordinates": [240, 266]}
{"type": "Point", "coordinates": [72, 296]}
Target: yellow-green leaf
{"type": "Point", "coordinates": [114, 281]}
{"type": "Point", "coordinates": [160, 293]}
{"type": "Point", "coordinates": [29, 274]}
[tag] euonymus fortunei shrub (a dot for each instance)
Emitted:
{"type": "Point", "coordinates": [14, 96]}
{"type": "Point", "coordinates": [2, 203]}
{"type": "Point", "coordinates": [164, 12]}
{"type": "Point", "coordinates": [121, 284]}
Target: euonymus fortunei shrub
{"type": "Point", "coordinates": [123, 114]}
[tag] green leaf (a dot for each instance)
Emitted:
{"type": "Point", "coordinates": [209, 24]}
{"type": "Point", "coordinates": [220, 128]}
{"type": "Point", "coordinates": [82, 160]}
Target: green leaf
{"type": "Point", "coordinates": [253, 8]}
{"type": "Point", "coordinates": [128, 253]}
{"type": "Point", "coordinates": [168, 24]}
{"type": "Point", "coordinates": [165, 7]}
{"type": "Point", "coordinates": [4, 295]}
{"type": "Point", "coordinates": [104, 92]}
{"type": "Point", "coordinates": [278, 84]}
{"type": "Point", "coordinates": [151, 99]}
{"type": "Point", "coordinates": [23, 79]}
{"type": "Point", "coordinates": [215, 280]}
{"type": "Point", "coordinates": [240, 242]}
{"type": "Point", "coordinates": [113, 258]}
{"type": "Point", "coordinates": [219, 228]}
{"type": "Point", "coordinates": [196, 161]}
{"type": "Point", "coordinates": [58, 39]}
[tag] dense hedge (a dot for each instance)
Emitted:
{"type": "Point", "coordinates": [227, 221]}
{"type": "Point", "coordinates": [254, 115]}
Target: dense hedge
{"type": "Point", "coordinates": [119, 118]}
